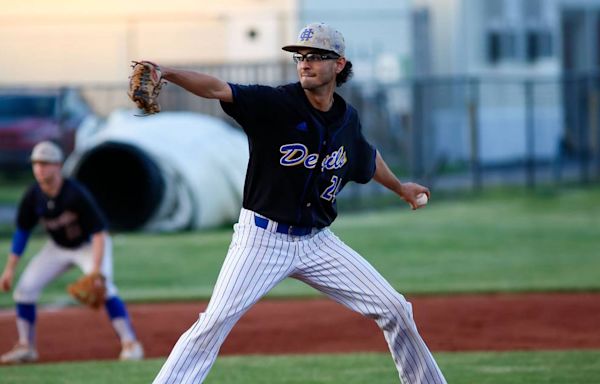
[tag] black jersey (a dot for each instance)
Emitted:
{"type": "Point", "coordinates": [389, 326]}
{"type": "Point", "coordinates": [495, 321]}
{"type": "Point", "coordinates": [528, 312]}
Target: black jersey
{"type": "Point", "coordinates": [70, 218]}
{"type": "Point", "coordinates": [300, 157]}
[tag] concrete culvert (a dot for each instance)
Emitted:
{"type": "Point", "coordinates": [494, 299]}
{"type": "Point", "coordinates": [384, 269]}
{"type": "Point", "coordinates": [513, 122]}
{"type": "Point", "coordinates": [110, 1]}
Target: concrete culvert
{"type": "Point", "coordinates": [168, 172]}
{"type": "Point", "coordinates": [127, 184]}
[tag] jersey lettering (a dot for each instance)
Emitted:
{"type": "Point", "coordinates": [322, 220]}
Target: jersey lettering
{"type": "Point", "coordinates": [335, 160]}
{"type": "Point", "coordinates": [63, 220]}
{"type": "Point", "coordinates": [296, 154]}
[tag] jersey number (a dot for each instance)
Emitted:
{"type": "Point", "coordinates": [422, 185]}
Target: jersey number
{"type": "Point", "coordinates": [330, 192]}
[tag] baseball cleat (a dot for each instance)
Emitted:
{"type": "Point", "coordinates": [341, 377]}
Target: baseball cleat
{"type": "Point", "coordinates": [20, 353]}
{"type": "Point", "coordinates": [132, 350]}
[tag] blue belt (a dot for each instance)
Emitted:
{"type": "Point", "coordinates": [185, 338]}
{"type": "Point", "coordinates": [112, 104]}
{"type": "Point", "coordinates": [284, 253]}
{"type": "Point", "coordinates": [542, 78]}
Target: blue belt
{"type": "Point", "coordinates": [263, 222]}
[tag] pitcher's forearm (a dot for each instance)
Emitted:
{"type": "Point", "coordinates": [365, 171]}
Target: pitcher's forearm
{"type": "Point", "coordinates": [384, 176]}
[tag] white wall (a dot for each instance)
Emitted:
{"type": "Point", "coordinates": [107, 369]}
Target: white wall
{"type": "Point", "coordinates": [458, 47]}
{"type": "Point", "coordinates": [76, 42]}
{"type": "Point", "coordinates": [447, 43]}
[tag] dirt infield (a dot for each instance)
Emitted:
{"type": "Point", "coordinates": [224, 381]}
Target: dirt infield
{"type": "Point", "coordinates": [448, 323]}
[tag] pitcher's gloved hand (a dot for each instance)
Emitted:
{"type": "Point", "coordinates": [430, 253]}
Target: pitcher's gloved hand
{"type": "Point", "coordinates": [145, 84]}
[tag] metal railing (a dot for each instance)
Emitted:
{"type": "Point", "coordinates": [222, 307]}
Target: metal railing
{"type": "Point", "coordinates": [448, 132]}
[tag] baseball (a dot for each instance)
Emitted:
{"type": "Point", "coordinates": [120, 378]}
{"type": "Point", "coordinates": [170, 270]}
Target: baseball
{"type": "Point", "coordinates": [422, 199]}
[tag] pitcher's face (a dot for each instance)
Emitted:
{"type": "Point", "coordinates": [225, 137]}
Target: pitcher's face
{"type": "Point", "coordinates": [317, 69]}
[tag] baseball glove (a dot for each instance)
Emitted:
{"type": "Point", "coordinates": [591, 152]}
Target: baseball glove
{"type": "Point", "coordinates": [145, 83]}
{"type": "Point", "coordinates": [89, 290]}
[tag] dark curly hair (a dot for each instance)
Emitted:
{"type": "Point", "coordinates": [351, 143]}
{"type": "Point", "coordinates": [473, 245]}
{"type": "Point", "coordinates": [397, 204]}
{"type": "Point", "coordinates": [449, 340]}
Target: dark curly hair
{"type": "Point", "coordinates": [345, 75]}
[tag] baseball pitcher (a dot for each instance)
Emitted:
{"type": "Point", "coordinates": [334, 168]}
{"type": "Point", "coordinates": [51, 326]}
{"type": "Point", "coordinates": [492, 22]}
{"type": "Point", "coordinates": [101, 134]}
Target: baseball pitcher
{"type": "Point", "coordinates": [305, 145]}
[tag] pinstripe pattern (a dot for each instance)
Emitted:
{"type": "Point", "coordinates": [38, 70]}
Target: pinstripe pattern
{"type": "Point", "coordinates": [258, 259]}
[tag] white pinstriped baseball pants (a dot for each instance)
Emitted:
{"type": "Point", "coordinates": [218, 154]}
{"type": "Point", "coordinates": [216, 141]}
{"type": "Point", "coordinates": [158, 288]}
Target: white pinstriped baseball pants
{"type": "Point", "coordinates": [258, 259]}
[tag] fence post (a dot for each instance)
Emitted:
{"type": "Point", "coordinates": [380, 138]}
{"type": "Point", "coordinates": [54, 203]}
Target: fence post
{"type": "Point", "coordinates": [473, 112]}
{"type": "Point", "coordinates": [418, 128]}
{"type": "Point", "coordinates": [529, 134]}
{"type": "Point", "coordinates": [594, 123]}
{"type": "Point", "coordinates": [583, 89]}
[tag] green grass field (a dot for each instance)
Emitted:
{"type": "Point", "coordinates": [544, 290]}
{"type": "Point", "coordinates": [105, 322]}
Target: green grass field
{"type": "Point", "coordinates": [524, 242]}
{"type": "Point", "coordinates": [490, 243]}
{"type": "Point", "coordinates": [573, 367]}
{"type": "Point", "coordinates": [14, 186]}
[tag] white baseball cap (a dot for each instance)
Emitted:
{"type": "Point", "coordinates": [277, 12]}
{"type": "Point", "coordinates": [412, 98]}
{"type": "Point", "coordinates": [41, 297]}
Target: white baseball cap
{"type": "Point", "coordinates": [319, 36]}
{"type": "Point", "coordinates": [48, 152]}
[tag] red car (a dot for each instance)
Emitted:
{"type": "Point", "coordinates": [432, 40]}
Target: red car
{"type": "Point", "coordinates": [28, 117]}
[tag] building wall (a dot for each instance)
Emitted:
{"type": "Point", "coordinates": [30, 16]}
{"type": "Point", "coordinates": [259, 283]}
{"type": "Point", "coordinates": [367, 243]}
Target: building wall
{"type": "Point", "coordinates": [463, 31]}
{"type": "Point", "coordinates": [377, 33]}
{"type": "Point", "coordinates": [513, 50]}
{"type": "Point", "coordinates": [445, 47]}
{"type": "Point", "coordinates": [93, 41]}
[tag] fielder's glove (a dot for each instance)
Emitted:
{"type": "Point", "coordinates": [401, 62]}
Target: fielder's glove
{"type": "Point", "coordinates": [145, 83]}
{"type": "Point", "coordinates": [89, 290]}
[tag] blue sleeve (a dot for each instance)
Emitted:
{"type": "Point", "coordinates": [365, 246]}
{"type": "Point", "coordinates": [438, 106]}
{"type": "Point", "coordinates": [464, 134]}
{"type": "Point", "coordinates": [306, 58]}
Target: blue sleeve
{"type": "Point", "coordinates": [19, 241]}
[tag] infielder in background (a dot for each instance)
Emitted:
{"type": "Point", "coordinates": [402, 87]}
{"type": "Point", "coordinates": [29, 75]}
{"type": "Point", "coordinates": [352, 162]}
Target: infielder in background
{"type": "Point", "coordinates": [305, 145]}
{"type": "Point", "coordinates": [78, 236]}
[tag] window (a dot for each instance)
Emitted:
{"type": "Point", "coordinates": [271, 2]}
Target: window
{"type": "Point", "coordinates": [517, 31]}
{"type": "Point", "coordinates": [538, 44]}
{"type": "Point", "coordinates": [501, 46]}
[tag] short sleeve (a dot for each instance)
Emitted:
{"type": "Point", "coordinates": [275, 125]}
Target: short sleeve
{"type": "Point", "coordinates": [27, 218]}
{"type": "Point", "coordinates": [365, 161]}
{"type": "Point", "coordinates": [252, 106]}
{"type": "Point", "coordinates": [91, 218]}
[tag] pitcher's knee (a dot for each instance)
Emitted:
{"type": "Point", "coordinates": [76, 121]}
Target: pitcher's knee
{"type": "Point", "coordinates": [212, 322]}
{"type": "Point", "coordinates": [396, 312]}
{"type": "Point", "coordinates": [208, 320]}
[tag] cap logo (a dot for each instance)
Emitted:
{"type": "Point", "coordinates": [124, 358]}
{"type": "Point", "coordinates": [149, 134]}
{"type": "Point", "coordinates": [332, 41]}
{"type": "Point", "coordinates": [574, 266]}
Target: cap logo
{"type": "Point", "coordinates": [306, 34]}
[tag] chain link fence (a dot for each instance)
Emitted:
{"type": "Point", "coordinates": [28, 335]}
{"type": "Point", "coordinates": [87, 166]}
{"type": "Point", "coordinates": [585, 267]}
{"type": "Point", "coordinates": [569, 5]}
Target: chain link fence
{"type": "Point", "coordinates": [450, 133]}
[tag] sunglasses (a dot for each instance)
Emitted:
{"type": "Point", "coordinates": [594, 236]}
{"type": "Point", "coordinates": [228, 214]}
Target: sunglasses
{"type": "Point", "coordinates": [313, 57]}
